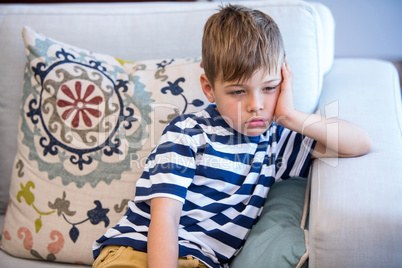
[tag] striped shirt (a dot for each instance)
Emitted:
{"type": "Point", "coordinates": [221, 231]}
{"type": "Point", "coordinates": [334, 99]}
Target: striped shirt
{"type": "Point", "coordinates": [222, 178]}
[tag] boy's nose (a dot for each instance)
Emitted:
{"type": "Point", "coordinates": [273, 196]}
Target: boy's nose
{"type": "Point", "coordinates": [255, 103]}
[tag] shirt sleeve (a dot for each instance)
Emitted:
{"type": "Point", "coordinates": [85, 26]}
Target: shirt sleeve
{"type": "Point", "coordinates": [293, 156]}
{"type": "Point", "coordinates": [170, 168]}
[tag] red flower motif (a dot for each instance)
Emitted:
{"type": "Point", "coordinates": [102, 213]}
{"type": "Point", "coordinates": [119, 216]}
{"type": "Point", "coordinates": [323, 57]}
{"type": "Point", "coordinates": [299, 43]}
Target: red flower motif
{"type": "Point", "coordinates": [79, 105]}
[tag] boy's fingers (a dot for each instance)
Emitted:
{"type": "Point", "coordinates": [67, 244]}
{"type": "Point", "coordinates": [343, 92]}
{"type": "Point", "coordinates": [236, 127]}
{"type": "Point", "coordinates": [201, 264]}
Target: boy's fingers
{"type": "Point", "coordinates": [287, 72]}
{"type": "Point", "coordinates": [284, 70]}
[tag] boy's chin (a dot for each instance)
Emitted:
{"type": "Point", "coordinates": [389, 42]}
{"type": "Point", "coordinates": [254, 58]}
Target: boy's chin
{"type": "Point", "coordinates": [254, 132]}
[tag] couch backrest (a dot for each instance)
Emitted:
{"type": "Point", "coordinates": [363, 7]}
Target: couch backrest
{"type": "Point", "coordinates": [140, 31]}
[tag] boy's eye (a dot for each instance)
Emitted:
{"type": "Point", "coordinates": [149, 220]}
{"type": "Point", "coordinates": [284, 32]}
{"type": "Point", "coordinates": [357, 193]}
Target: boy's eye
{"type": "Point", "coordinates": [270, 88]}
{"type": "Point", "coordinates": [237, 92]}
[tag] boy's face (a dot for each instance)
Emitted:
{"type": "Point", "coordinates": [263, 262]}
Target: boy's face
{"type": "Point", "coordinates": [247, 106]}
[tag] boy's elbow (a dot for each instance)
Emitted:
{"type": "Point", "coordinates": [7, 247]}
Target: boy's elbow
{"type": "Point", "coordinates": [365, 144]}
{"type": "Point", "coordinates": [369, 144]}
{"type": "Point", "coordinates": [359, 146]}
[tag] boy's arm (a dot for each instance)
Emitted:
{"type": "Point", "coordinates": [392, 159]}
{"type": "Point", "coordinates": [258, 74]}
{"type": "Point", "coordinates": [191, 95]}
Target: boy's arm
{"type": "Point", "coordinates": [335, 137]}
{"type": "Point", "coordinates": [163, 246]}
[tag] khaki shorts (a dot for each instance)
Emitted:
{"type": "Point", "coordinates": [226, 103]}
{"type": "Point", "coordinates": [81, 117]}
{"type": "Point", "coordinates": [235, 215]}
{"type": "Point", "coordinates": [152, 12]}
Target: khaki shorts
{"type": "Point", "coordinates": [121, 257]}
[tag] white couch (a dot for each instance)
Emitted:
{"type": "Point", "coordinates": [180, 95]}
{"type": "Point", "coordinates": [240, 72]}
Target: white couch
{"type": "Point", "coordinates": [355, 211]}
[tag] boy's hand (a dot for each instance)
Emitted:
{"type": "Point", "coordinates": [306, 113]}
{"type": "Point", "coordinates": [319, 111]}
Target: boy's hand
{"type": "Point", "coordinates": [349, 141]}
{"type": "Point", "coordinates": [285, 104]}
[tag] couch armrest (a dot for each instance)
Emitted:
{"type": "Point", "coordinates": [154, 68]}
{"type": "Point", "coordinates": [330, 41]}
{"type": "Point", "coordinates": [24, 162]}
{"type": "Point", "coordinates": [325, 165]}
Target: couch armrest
{"type": "Point", "coordinates": [356, 211]}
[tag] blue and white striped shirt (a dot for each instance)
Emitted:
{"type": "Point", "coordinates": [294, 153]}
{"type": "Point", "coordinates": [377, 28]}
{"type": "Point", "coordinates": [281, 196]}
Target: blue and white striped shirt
{"type": "Point", "coordinates": [222, 178]}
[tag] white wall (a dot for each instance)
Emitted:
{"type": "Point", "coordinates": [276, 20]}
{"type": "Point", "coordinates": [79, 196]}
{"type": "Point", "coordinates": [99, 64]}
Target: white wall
{"type": "Point", "coordinates": [367, 28]}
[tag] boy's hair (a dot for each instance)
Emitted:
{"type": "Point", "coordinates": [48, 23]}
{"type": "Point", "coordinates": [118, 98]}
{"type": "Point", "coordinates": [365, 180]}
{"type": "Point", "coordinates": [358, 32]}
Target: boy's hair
{"type": "Point", "coordinates": [239, 41]}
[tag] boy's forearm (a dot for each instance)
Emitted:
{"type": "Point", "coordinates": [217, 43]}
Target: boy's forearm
{"type": "Point", "coordinates": [163, 234]}
{"type": "Point", "coordinates": [311, 125]}
{"type": "Point", "coordinates": [162, 246]}
{"type": "Point", "coordinates": [339, 136]}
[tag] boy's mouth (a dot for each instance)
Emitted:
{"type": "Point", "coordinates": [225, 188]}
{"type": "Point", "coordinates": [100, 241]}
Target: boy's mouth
{"type": "Point", "coordinates": [257, 122]}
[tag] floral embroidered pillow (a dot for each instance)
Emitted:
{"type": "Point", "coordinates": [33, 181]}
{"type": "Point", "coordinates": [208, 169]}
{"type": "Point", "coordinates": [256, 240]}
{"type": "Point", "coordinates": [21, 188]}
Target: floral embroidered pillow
{"type": "Point", "coordinates": [87, 123]}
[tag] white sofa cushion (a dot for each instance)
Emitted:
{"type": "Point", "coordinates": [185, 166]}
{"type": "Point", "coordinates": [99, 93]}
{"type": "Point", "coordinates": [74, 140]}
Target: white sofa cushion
{"type": "Point", "coordinates": [327, 36]}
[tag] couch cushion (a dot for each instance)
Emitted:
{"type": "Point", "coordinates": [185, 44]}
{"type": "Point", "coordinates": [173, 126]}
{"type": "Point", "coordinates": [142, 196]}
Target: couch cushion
{"type": "Point", "coordinates": [142, 31]}
{"type": "Point", "coordinates": [327, 36]}
{"type": "Point", "coordinates": [87, 123]}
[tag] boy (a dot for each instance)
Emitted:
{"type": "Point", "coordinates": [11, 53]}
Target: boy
{"type": "Point", "coordinates": [205, 183]}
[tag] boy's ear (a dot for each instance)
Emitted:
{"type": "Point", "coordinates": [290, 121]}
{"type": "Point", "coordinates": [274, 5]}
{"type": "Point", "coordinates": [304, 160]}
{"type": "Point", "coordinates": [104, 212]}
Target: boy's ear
{"type": "Point", "coordinates": [207, 88]}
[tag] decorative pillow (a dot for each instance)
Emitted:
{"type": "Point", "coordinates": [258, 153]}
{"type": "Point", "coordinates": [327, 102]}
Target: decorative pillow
{"type": "Point", "coordinates": [87, 123]}
{"type": "Point", "coordinates": [279, 238]}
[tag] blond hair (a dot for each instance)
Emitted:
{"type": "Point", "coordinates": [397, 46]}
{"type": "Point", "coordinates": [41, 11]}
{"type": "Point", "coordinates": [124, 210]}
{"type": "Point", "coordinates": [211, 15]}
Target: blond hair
{"type": "Point", "coordinates": [239, 41]}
